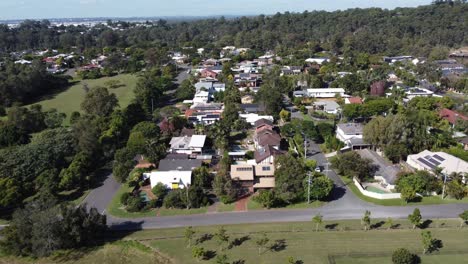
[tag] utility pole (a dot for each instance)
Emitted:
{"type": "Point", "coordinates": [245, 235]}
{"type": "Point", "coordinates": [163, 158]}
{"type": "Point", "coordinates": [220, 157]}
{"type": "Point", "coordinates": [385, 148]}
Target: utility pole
{"type": "Point", "coordinates": [152, 105]}
{"type": "Point", "coordinates": [443, 189]}
{"type": "Point", "coordinates": [308, 189]}
{"type": "Point", "coordinates": [308, 180]}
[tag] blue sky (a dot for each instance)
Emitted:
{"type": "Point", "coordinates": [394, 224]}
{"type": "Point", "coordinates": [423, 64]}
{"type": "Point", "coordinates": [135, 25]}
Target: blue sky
{"type": "Point", "coordinates": [12, 9]}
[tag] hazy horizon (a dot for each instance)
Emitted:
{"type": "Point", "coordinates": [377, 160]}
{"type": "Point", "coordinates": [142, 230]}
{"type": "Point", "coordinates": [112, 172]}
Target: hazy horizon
{"type": "Point", "coordinates": [33, 9]}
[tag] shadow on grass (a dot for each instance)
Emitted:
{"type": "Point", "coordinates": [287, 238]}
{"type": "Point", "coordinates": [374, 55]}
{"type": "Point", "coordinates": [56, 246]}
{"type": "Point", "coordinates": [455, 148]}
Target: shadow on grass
{"type": "Point", "coordinates": [377, 225]}
{"type": "Point", "coordinates": [279, 245]}
{"type": "Point", "coordinates": [425, 224]}
{"type": "Point", "coordinates": [238, 241]}
{"type": "Point", "coordinates": [209, 254]}
{"type": "Point", "coordinates": [331, 226]}
{"type": "Point", "coordinates": [204, 238]}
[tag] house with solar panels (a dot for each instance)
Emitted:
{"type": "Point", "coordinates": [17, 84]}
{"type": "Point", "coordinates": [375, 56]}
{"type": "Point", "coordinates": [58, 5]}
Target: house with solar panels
{"type": "Point", "coordinates": [429, 161]}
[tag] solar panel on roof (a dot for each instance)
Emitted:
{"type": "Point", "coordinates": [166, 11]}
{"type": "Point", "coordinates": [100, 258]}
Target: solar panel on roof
{"type": "Point", "coordinates": [427, 163]}
{"type": "Point", "coordinates": [434, 161]}
{"type": "Point", "coordinates": [438, 157]}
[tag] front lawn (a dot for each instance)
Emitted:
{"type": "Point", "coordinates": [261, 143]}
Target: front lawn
{"type": "Point", "coordinates": [117, 209]}
{"type": "Point", "coordinates": [252, 205]}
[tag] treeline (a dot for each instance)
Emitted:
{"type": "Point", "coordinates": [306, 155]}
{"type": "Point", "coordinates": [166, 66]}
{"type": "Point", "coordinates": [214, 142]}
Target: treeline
{"type": "Point", "coordinates": [23, 83]}
{"type": "Point", "coordinates": [403, 30]}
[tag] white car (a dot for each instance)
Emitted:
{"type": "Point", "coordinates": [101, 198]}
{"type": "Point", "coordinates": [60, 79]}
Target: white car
{"type": "Point", "coordinates": [317, 169]}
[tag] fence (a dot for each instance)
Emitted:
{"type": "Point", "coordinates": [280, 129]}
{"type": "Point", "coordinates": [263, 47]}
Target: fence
{"type": "Point", "coordinates": [380, 196]}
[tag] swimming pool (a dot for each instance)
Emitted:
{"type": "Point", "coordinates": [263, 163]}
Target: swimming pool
{"type": "Point", "coordinates": [375, 189]}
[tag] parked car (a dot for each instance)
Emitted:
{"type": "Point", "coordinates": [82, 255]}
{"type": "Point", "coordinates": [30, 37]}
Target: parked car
{"type": "Point", "coordinates": [318, 169]}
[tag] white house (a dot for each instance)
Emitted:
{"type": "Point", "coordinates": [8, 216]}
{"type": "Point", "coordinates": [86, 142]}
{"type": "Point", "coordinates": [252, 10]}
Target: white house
{"type": "Point", "coordinates": [418, 92]}
{"type": "Point", "coordinates": [201, 97]}
{"type": "Point", "coordinates": [329, 107]}
{"type": "Point", "coordinates": [319, 61]}
{"type": "Point", "coordinates": [428, 160]}
{"type": "Point", "coordinates": [347, 131]}
{"type": "Point", "coordinates": [325, 92]}
{"type": "Point", "coordinates": [172, 179]}
{"type": "Point", "coordinates": [252, 118]}
{"type": "Point", "coordinates": [187, 145]}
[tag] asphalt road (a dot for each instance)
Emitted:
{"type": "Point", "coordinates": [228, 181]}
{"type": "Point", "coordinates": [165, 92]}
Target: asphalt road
{"type": "Point", "coordinates": [344, 205]}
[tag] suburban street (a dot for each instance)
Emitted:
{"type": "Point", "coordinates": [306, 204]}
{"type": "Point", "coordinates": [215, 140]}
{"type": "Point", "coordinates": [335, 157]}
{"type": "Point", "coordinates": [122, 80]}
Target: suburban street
{"type": "Point", "coordinates": [343, 205]}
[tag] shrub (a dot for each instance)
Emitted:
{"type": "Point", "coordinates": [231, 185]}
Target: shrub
{"type": "Point", "coordinates": [160, 191]}
{"type": "Point", "coordinates": [135, 204]}
{"type": "Point", "coordinates": [403, 256]}
{"type": "Point", "coordinates": [266, 198]}
{"type": "Point", "coordinates": [124, 198]}
{"type": "Point", "coordinates": [174, 200]}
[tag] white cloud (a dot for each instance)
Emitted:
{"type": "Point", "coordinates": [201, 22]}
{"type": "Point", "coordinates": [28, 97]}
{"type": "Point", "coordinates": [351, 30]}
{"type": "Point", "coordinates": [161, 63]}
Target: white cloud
{"type": "Point", "coordinates": [88, 2]}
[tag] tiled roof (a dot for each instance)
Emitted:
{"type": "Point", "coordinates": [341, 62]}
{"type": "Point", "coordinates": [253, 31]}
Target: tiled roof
{"type": "Point", "coordinates": [451, 116]}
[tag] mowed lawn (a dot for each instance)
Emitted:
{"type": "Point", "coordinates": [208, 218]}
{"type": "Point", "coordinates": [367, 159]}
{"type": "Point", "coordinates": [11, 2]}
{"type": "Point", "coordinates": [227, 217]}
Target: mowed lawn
{"type": "Point", "coordinates": [113, 253]}
{"type": "Point", "coordinates": [302, 243]}
{"type": "Point", "coordinates": [70, 99]}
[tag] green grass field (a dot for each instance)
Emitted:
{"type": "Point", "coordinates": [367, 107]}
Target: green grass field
{"type": "Point", "coordinates": [400, 202]}
{"type": "Point", "coordinates": [338, 242]}
{"type": "Point", "coordinates": [121, 252]}
{"type": "Point", "coordinates": [70, 99]}
{"type": "Point", "coordinates": [303, 243]}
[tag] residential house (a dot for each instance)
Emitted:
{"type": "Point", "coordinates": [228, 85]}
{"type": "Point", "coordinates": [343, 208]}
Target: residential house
{"type": "Point", "coordinates": [351, 135]}
{"type": "Point", "coordinates": [247, 99]}
{"type": "Point", "coordinates": [172, 179]}
{"type": "Point", "coordinates": [397, 58]}
{"type": "Point", "coordinates": [254, 177]}
{"type": "Point", "coordinates": [353, 100]}
{"type": "Point", "coordinates": [188, 145]}
{"type": "Point", "coordinates": [386, 172]}
{"type": "Point", "coordinates": [207, 73]}
{"type": "Point", "coordinates": [252, 118]}
{"type": "Point", "coordinates": [204, 113]}
{"type": "Point", "coordinates": [318, 61]}
{"type": "Point", "coordinates": [263, 124]}
{"type": "Point", "coordinates": [252, 108]}
{"type": "Point", "coordinates": [248, 80]}
{"type": "Point", "coordinates": [267, 137]}
{"type": "Point", "coordinates": [325, 92]}
{"type": "Point", "coordinates": [266, 155]}
{"type": "Point", "coordinates": [291, 70]}
{"type": "Point", "coordinates": [329, 107]}
{"type": "Point", "coordinates": [452, 116]}
{"type": "Point", "coordinates": [429, 161]}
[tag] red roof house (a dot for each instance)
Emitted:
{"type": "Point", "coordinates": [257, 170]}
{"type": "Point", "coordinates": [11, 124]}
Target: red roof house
{"type": "Point", "coordinates": [452, 116]}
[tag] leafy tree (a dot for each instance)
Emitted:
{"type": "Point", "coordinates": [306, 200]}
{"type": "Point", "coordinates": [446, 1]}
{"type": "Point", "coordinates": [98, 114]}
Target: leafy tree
{"type": "Point", "coordinates": [266, 198]}
{"type": "Point", "coordinates": [289, 178]}
{"type": "Point", "coordinates": [174, 199]}
{"type": "Point", "coordinates": [261, 242]}
{"type": "Point", "coordinates": [463, 217]}
{"type": "Point", "coordinates": [317, 219]}
{"type": "Point", "coordinates": [11, 135]}
{"type": "Point", "coordinates": [53, 118]}
{"type": "Point", "coordinates": [389, 223]}
{"type": "Point", "coordinates": [123, 165]}
{"type": "Point", "coordinates": [198, 253]}
{"type": "Point", "coordinates": [75, 175]}
{"type": "Point", "coordinates": [98, 101]}
{"type": "Point", "coordinates": [415, 218]}
{"type": "Point", "coordinates": [321, 187]}
{"type": "Point", "coordinates": [456, 189]}
{"type": "Point", "coordinates": [429, 243]}
{"type": "Point", "coordinates": [186, 90]}
{"type": "Point", "coordinates": [285, 115]}
{"type": "Point", "coordinates": [221, 236]}
{"type": "Point", "coordinates": [189, 233]}
{"type": "Point", "coordinates": [160, 190]}
{"type": "Point", "coordinates": [202, 178]}
{"type": "Point", "coordinates": [43, 227]}
{"type": "Point", "coordinates": [403, 256]}
{"type": "Point", "coordinates": [366, 220]}
{"type": "Point", "coordinates": [350, 164]}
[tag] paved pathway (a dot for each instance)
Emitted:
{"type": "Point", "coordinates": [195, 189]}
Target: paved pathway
{"type": "Point", "coordinates": [241, 204]}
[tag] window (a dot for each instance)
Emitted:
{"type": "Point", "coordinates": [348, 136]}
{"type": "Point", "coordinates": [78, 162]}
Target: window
{"type": "Point", "coordinates": [244, 169]}
{"type": "Point", "coordinates": [266, 168]}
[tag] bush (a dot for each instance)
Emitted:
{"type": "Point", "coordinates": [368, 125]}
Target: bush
{"type": "Point", "coordinates": [174, 200]}
{"type": "Point", "coordinates": [135, 204]}
{"type": "Point", "coordinates": [124, 198]}
{"type": "Point", "coordinates": [249, 155]}
{"type": "Point", "coordinates": [404, 256]}
{"type": "Point", "coordinates": [266, 198]}
{"type": "Point", "coordinates": [160, 191]}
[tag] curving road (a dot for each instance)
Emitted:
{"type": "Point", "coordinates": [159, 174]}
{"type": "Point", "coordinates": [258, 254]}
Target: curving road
{"type": "Point", "coordinates": [344, 205]}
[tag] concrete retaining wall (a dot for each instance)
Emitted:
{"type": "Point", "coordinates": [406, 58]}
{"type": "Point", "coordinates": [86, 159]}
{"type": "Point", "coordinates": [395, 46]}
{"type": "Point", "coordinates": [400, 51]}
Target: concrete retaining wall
{"type": "Point", "coordinates": [380, 196]}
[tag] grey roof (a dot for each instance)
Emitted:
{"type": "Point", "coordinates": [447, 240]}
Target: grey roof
{"type": "Point", "coordinates": [388, 171]}
{"type": "Point", "coordinates": [351, 128]}
{"type": "Point", "coordinates": [252, 108]}
{"type": "Point", "coordinates": [179, 164]}
{"type": "Point", "coordinates": [328, 105]}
